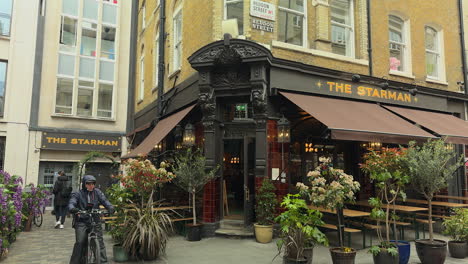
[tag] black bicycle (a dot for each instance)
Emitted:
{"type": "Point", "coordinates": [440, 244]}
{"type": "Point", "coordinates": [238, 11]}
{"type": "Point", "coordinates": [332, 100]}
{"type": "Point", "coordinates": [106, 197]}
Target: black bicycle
{"type": "Point", "coordinates": [37, 218]}
{"type": "Point", "coordinates": [92, 253]}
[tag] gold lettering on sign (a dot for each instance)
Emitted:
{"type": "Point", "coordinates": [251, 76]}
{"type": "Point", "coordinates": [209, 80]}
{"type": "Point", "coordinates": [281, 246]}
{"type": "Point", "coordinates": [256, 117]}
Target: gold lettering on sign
{"type": "Point", "coordinates": [365, 91]}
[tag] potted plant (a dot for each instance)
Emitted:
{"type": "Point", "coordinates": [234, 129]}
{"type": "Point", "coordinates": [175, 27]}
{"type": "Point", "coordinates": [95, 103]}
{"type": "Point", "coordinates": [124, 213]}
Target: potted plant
{"type": "Point", "coordinates": [457, 228]}
{"type": "Point", "coordinates": [331, 188]}
{"type": "Point", "coordinates": [386, 170]}
{"type": "Point", "coordinates": [265, 206]}
{"type": "Point", "coordinates": [192, 175]}
{"type": "Point", "coordinates": [299, 229]}
{"type": "Point", "coordinates": [146, 230]}
{"type": "Point", "coordinates": [429, 167]}
{"type": "Point", "coordinates": [34, 200]}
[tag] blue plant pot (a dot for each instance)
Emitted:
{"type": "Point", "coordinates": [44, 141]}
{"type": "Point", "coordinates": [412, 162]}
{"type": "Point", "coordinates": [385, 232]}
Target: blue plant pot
{"type": "Point", "coordinates": [404, 250]}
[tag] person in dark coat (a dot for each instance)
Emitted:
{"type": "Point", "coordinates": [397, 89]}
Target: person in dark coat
{"type": "Point", "coordinates": [62, 191]}
{"type": "Point", "coordinates": [87, 198]}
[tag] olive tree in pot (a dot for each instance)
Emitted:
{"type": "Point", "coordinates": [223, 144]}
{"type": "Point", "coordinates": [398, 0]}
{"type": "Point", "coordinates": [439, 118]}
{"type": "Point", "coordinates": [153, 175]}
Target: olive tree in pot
{"type": "Point", "coordinates": [430, 166]}
{"type": "Point", "coordinates": [457, 228]}
{"type": "Point", "coordinates": [331, 188]}
{"type": "Point", "coordinates": [192, 175]}
{"type": "Point", "coordinates": [265, 211]}
{"type": "Point", "coordinates": [387, 171]}
{"type": "Point", "coordinates": [299, 230]}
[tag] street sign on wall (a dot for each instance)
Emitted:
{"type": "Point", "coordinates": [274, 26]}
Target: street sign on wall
{"type": "Point", "coordinates": [263, 10]}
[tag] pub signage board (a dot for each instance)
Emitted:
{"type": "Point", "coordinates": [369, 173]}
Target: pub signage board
{"type": "Point", "coordinates": [81, 142]}
{"type": "Point", "coordinates": [262, 10]}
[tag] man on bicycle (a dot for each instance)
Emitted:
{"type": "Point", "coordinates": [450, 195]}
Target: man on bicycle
{"type": "Point", "coordinates": [87, 198]}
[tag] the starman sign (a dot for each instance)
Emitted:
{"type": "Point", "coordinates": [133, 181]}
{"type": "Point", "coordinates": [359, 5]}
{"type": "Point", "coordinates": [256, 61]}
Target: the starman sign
{"type": "Point", "coordinates": [81, 142]}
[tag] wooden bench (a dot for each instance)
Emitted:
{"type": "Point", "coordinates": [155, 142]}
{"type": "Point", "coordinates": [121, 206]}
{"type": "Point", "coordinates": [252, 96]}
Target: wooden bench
{"type": "Point", "coordinates": [434, 216]}
{"type": "Point", "coordinates": [347, 231]}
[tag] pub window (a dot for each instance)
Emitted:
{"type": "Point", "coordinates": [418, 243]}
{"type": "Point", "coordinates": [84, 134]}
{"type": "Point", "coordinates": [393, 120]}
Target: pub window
{"type": "Point", "coordinates": [342, 27]}
{"type": "Point", "coordinates": [397, 43]}
{"type": "Point", "coordinates": [234, 9]}
{"type": "Point", "coordinates": [142, 78]}
{"type": "Point", "coordinates": [177, 23]}
{"type": "Point", "coordinates": [156, 61]}
{"type": "Point", "coordinates": [433, 54]}
{"type": "Point", "coordinates": [5, 17]}
{"type": "Point", "coordinates": [291, 22]}
{"type": "Point", "coordinates": [3, 75]}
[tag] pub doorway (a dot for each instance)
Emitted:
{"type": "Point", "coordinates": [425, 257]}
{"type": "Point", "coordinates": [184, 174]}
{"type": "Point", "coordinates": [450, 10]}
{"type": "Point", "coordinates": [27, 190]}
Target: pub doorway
{"type": "Point", "coordinates": [238, 179]}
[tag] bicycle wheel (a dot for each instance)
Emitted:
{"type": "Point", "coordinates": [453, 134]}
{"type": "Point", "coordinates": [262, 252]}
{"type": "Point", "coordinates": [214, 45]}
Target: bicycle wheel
{"type": "Point", "coordinates": [37, 220]}
{"type": "Point", "coordinates": [93, 256]}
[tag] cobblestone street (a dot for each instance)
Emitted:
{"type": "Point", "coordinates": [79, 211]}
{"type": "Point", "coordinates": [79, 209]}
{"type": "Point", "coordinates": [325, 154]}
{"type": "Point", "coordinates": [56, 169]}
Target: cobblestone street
{"type": "Point", "coordinates": [46, 245]}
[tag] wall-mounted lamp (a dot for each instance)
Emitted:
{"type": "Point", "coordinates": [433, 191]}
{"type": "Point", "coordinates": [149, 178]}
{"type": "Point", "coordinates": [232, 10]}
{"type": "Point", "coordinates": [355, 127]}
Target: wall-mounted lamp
{"type": "Point", "coordinates": [189, 135]}
{"type": "Point", "coordinates": [283, 130]}
{"type": "Point", "coordinates": [372, 145]}
{"type": "Point", "coordinates": [413, 91]}
{"type": "Point", "coordinates": [384, 84]}
{"type": "Point", "coordinates": [356, 78]}
{"type": "Point", "coordinates": [159, 146]}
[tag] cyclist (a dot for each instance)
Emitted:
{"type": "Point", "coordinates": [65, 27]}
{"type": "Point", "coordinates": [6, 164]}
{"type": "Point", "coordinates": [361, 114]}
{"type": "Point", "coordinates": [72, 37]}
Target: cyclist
{"type": "Point", "coordinates": [87, 198]}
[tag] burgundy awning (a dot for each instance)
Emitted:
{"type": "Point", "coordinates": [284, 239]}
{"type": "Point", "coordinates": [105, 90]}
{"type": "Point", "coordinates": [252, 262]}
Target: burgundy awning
{"type": "Point", "coordinates": [454, 128]}
{"type": "Point", "coordinates": [159, 132]}
{"type": "Point", "coordinates": [360, 121]}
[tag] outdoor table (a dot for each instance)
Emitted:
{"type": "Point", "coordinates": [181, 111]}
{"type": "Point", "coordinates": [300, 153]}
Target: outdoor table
{"type": "Point", "coordinates": [437, 203]}
{"type": "Point", "coordinates": [346, 212]}
{"type": "Point", "coordinates": [460, 198]}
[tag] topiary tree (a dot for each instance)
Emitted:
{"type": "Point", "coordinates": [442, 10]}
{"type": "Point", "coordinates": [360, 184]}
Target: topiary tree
{"type": "Point", "coordinates": [266, 203]}
{"type": "Point", "coordinates": [430, 166]}
{"type": "Point", "coordinates": [192, 174]}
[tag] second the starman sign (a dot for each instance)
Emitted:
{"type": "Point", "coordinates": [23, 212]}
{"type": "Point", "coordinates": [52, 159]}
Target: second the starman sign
{"type": "Point", "coordinates": [81, 142]}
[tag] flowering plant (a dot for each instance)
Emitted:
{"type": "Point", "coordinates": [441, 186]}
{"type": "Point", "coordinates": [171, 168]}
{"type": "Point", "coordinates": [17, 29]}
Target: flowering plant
{"type": "Point", "coordinates": [329, 187]}
{"type": "Point", "coordinates": [34, 199]}
{"type": "Point", "coordinates": [10, 208]}
{"type": "Point", "coordinates": [141, 176]}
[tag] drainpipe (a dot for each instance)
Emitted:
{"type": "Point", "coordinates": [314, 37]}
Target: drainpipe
{"type": "Point", "coordinates": [161, 64]}
{"type": "Point", "coordinates": [462, 41]}
{"type": "Point", "coordinates": [132, 67]}
{"type": "Point", "coordinates": [369, 36]}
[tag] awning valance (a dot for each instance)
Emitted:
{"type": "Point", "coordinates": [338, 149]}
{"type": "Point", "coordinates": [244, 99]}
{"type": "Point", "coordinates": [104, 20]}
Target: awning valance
{"type": "Point", "coordinates": [360, 121]}
{"type": "Point", "coordinates": [454, 128]}
{"type": "Point", "coordinates": [159, 132]}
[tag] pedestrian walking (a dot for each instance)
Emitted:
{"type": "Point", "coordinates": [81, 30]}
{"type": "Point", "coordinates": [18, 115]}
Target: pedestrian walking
{"type": "Point", "coordinates": [62, 192]}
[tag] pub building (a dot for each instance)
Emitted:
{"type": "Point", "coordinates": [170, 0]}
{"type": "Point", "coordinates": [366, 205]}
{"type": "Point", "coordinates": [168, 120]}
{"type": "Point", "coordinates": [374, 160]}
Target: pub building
{"type": "Point", "coordinates": [258, 116]}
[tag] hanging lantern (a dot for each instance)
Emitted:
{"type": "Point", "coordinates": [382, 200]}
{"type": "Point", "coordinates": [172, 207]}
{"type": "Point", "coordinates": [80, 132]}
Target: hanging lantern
{"type": "Point", "coordinates": [189, 136]}
{"type": "Point", "coordinates": [283, 130]}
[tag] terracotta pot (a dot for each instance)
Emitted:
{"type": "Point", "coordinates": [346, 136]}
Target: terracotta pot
{"type": "Point", "coordinates": [263, 233]}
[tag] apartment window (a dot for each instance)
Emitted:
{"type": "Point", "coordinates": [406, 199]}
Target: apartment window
{"type": "Point", "coordinates": [234, 9]}
{"type": "Point", "coordinates": [177, 22]}
{"type": "Point", "coordinates": [108, 42]}
{"type": "Point", "coordinates": [143, 16]}
{"type": "Point", "coordinates": [156, 61]}
{"type": "Point", "coordinates": [66, 64]}
{"type": "Point", "coordinates": [3, 75]}
{"type": "Point", "coordinates": [70, 7]}
{"type": "Point", "coordinates": [397, 43]}
{"type": "Point", "coordinates": [5, 17]}
{"type": "Point", "coordinates": [68, 34]}
{"type": "Point", "coordinates": [85, 98]}
{"type": "Point", "coordinates": [432, 53]}
{"type": "Point", "coordinates": [88, 38]}
{"type": "Point", "coordinates": [109, 13]}
{"type": "Point", "coordinates": [90, 9]}
{"type": "Point", "coordinates": [291, 22]}
{"type": "Point", "coordinates": [105, 100]}
{"type": "Point", "coordinates": [342, 27]}
{"type": "Point", "coordinates": [64, 97]}
{"type": "Point", "coordinates": [142, 78]}
{"type": "Point", "coordinates": [111, 1]}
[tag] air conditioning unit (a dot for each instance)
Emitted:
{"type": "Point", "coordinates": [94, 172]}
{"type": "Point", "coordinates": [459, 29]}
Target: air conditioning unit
{"type": "Point", "coordinates": [230, 26]}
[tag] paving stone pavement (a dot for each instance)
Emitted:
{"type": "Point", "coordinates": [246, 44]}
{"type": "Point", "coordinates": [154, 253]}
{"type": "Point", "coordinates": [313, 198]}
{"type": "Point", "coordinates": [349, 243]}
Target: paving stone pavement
{"type": "Point", "coordinates": [46, 245]}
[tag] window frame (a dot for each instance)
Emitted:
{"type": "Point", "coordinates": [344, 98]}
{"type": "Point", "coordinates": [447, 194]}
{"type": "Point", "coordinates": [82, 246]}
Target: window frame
{"type": "Point", "coordinates": [10, 18]}
{"type": "Point", "coordinates": [142, 78]}
{"type": "Point", "coordinates": [438, 53]}
{"type": "Point", "coordinates": [406, 46]}
{"type": "Point", "coordinates": [350, 49]}
{"type": "Point", "coordinates": [2, 113]}
{"type": "Point", "coordinates": [143, 16]}
{"type": "Point", "coordinates": [177, 41]}
{"type": "Point", "coordinates": [156, 63]}
{"type": "Point", "coordinates": [226, 3]}
{"type": "Point", "coordinates": [304, 22]}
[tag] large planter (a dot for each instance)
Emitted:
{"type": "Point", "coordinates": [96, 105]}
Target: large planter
{"type": "Point", "coordinates": [263, 233]}
{"type": "Point", "coordinates": [28, 223]}
{"type": "Point", "coordinates": [457, 249]}
{"type": "Point", "coordinates": [404, 251]}
{"type": "Point", "coordinates": [385, 258]}
{"type": "Point", "coordinates": [308, 254]}
{"type": "Point", "coordinates": [340, 257]}
{"type": "Point", "coordinates": [194, 232]}
{"type": "Point", "coordinates": [431, 253]}
{"type": "Point", "coordinates": [287, 260]}
{"type": "Point", "coordinates": [120, 254]}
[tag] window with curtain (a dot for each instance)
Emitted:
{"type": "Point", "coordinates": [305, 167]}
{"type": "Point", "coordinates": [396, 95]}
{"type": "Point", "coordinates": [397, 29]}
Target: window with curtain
{"type": "Point", "coordinates": [342, 27]}
{"type": "Point", "coordinates": [234, 9]}
{"type": "Point", "coordinates": [432, 53]}
{"type": "Point", "coordinates": [177, 23]}
{"type": "Point", "coordinates": [291, 21]}
{"type": "Point", "coordinates": [397, 43]}
{"type": "Point", "coordinates": [5, 17]}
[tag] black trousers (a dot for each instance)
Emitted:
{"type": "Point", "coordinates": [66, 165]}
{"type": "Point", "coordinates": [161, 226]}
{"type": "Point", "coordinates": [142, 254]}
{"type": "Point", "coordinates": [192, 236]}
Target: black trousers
{"type": "Point", "coordinates": [60, 213]}
{"type": "Point", "coordinates": [81, 243]}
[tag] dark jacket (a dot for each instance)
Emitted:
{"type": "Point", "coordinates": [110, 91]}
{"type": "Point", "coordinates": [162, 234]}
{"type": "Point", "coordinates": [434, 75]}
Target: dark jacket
{"type": "Point", "coordinates": [80, 199]}
{"type": "Point", "coordinates": [62, 186]}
